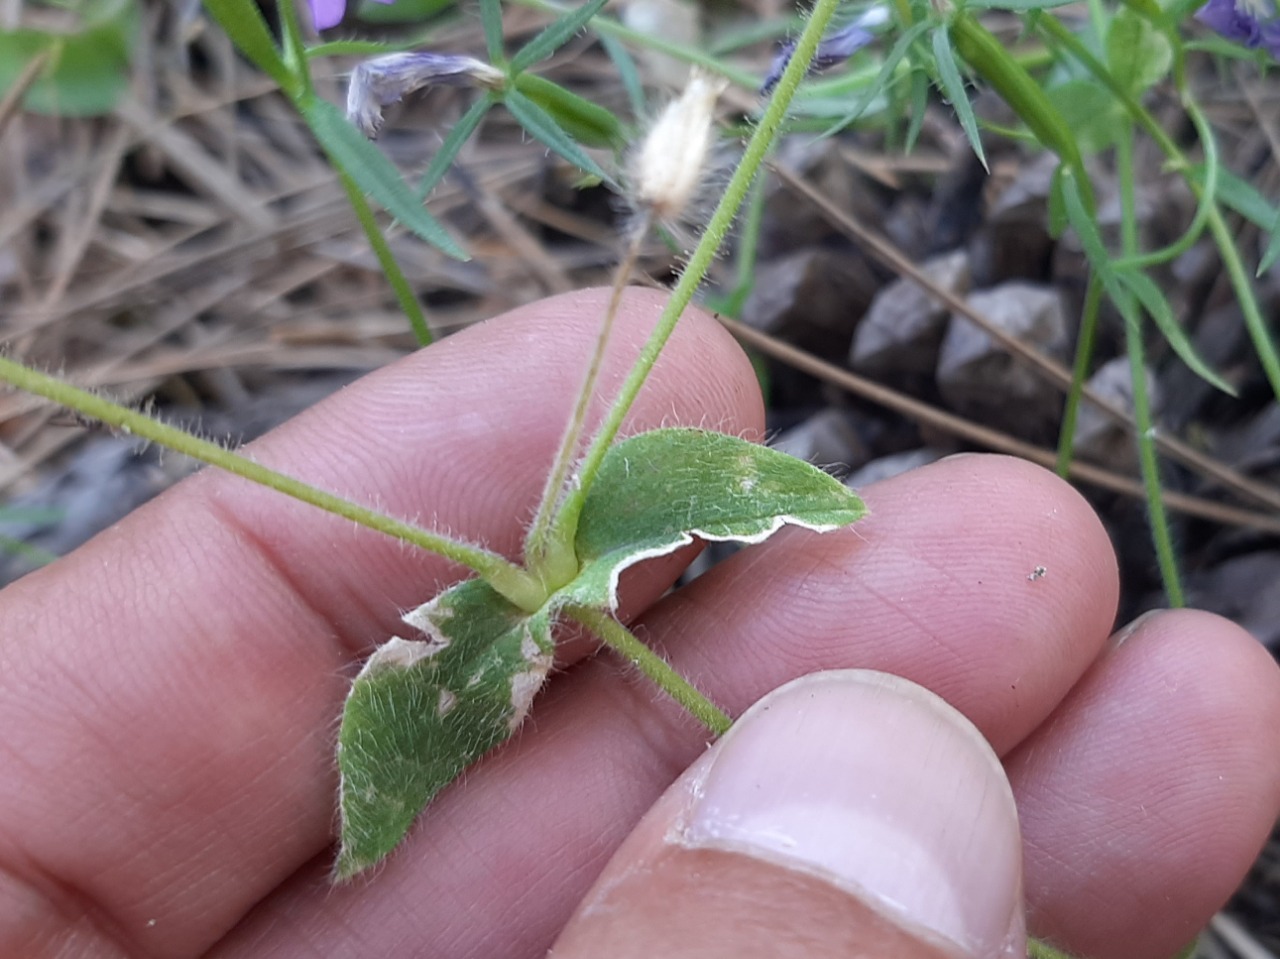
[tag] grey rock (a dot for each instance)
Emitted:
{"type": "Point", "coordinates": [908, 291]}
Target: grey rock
{"type": "Point", "coordinates": [825, 439]}
{"type": "Point", "coordinates": [979, 379]}
{"type": "Point", "coordinates": [1245, 589]}
{"type": "Point", "coordinates": [812, 299]}
{"type": "Point", "coordinates": [903, 330]}
{"type": "Point", "coordinates": [1100, 438]}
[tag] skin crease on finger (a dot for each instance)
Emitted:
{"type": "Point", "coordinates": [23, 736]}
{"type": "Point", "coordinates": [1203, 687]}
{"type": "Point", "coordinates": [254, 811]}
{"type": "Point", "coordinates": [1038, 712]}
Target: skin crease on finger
{"type": "Point", "coordinates": [170, 691]}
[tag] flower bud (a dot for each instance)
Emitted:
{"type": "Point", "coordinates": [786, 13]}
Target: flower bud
{"type": "Point", "coordinates": [835, 48]}
{"type": "Point", "coordinates": [668, 166]}
{"type": "Point", "coordinates": [385, 80]}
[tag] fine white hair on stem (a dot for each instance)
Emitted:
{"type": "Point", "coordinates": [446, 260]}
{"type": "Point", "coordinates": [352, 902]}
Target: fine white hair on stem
{"type": "Point", "coordinates": [668, 166]}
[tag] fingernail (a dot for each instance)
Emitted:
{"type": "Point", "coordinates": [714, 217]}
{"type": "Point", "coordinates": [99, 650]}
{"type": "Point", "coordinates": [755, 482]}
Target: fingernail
{"type": "Point", "coordinates": [880, 787]}
{"type": "Point", "coordinates": [1124, 635]}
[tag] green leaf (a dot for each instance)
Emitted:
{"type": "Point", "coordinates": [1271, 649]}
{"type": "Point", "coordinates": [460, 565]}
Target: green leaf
{"type": "Point", "coordinates": [953, 88]}
{"type": "Point", "coordinates": [1090, 111]}
{"type": "Point", "coordinates": [585, 122]}
{"type": "Point", "coordinates": [1138, 54]}
{"type": "Point", "coordinates": [420, 712]}
{"type": "Point", "coordinates": [1239, 195]}
{"type": "Point", "coordinates": [1126, 285]}
{"type": "Point", "coordinates": [1157, 305]}
{"type": "Point", "coordinates": [1273, 248]}
{"type": "Point", "coordinates": [887, 70]}
{"type": "Point", "coordinates": [554, 35]}
{"type": "Point", "coordinates": [373, 172]}
{"type": "Point", "coordinates": [459, 135]}
{"type": "Point", "coordinates": [244, 24]}
{"type": "Point", "coordinates": [491, 21]}
{"type": "Point", "coordinates": [543, 128]}
{"type": "Point", "coordinates": [627, 72]}
{"type": "Point", "coordinates": [656, 491]}
{"type": "Point", "coordinates": [402, 11]}
{"type": "Point", "coordinates": [86, 72]}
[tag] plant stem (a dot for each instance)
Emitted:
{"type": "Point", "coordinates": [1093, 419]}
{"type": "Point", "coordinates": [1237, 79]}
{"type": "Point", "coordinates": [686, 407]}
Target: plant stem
{"type": "Point", "coordinates": [1145, 428]}
{"type": "Point", "coordinates": [504, 576]}
{"type": "Point", "coordinates": [1079, 373]}
{"type": "Point", "coordinates": [554, 561]}
{"type": "Point", "coordinates": [566, 521]}
{"type": "Point", "coordinates": [622, 641]}
{"type": "Point", "coordinates": [386, 259]}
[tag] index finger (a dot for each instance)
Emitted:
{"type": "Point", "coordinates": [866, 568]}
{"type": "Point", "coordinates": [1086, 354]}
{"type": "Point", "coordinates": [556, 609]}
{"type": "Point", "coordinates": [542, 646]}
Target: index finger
{"type": "Point", "coordinates": [169, 692]}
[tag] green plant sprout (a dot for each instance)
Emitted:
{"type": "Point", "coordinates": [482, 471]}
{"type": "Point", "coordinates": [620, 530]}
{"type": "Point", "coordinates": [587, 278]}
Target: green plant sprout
{"type": "Point", "coordinates": [425, 707]}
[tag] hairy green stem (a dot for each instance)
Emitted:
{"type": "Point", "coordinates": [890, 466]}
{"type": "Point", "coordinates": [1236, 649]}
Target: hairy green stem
{"type": "Point", "coordinates": [1144, 431]}
{"type": "Point", "coordinates": [566, 523]}
{"type": "Point", "coordinates": [387, 260]}
{"type": "Point", "coordinates": [504, 576]}
{"type": "Point", "coordinates": [622, 641]}
{"type": "Point", "coordinates": [551, 560]}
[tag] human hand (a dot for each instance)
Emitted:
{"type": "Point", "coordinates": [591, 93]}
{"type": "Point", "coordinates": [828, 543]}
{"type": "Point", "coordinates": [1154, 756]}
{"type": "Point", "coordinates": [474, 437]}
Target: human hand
{"type": "Point", "coordinates": [169, 693]}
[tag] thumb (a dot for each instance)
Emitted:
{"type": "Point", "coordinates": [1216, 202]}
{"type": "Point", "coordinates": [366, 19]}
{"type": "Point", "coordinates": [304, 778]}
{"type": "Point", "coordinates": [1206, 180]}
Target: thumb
{"type": "Point", "coordinates": [848, 814]}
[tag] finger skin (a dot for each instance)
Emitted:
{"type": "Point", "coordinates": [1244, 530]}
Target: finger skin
{"type": "Point", "coordinates": [1151, 789]}
{"type": "Point", "coordinates": [934, 587]}
{"type": "Point", "coordinates": [170, 692]}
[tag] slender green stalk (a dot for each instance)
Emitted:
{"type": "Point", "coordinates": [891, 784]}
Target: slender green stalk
{"type": "Point", "coordinates": [622, 641]}
{"type": "Point", "coordinates": [566, 522]}
{"type": "Point", "coordinates": [553, 561]}
{"type": "Point", "coordinates": [387, 260]}
{"type": "Point", "coordinates": [507, 578]}
{"type": "Point", "coordinates": [1145, 428]}
{"type": "Point", "coordinates": [1085, 342]}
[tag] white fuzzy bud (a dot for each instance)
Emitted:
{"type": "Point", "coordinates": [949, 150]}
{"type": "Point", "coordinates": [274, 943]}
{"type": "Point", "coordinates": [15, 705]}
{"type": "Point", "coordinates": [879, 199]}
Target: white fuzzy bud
{"type": "Point", "coordinates": [668, 167]}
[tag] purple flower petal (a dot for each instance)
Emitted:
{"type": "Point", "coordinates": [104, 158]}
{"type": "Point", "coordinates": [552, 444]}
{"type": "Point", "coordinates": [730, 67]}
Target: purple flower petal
{"type": "Point", "coordinates": [327, 13]}
{"type": "Point", "coordinates": [1226, 18]}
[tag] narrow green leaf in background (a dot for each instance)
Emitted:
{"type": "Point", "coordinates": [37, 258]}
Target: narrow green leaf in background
{"type": "Point", "coordinates": [1125, 286]}
{"type": "Point", "coordinates": [421, 711]}
{"type": "Point", "coordinates": [1153, 300]}
{"type": "Point", "coordinates": [373, 172]}
{"type": "Point", "coordinates": [458, 136]}
{"type": "Point", "coordinates": [491, 21]}
{"type": "Point", "coordinates": [656, 491]}
{"type": "Point", "coordinates": [628, 73]}
{"type": "Point", "coordinates": [555, 35]}
{"type": "Point", "coordinates": [244, 24]}
{"type": "Point", "coordinates": [1272, 252]}
{"type": "Point", "coordinates": [543, 128]}
{"type": "Point", "coordinates": [953, 89]}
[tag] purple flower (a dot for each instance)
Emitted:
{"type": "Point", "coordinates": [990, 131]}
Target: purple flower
{"type": "Point", "coordinates": [834, 49]}
{"type": "Point", "coordinates": [384, 80]}
{"type": "Point", "coordinates": [328, 13]}
{"type": "Point", "coordinates": [1253, 23]}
